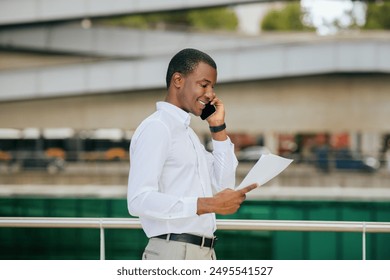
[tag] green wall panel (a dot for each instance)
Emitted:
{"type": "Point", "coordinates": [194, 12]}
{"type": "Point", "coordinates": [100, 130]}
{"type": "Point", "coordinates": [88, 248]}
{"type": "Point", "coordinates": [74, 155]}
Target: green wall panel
{"type": "Point", "coordinates": [54, 243]}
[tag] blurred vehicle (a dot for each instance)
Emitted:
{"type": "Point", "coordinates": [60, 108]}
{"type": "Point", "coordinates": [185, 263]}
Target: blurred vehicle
{"type": "Point", "coordinates": [5, 156]}
{"type": "Point", "coordinates": [36, 160]}
{"type": "Point", "coordinates": [105, 145]}
{"type": "Point", "coordinates": [346, 159]}
{"type": "Point", "coordinates": [252, 153]}
{"type": "Point", "coordinates": [241, 140]}
{"type": "Point", "coordinates": [55, 152]}
{"type": "Point", "coordinates": [116, 154]}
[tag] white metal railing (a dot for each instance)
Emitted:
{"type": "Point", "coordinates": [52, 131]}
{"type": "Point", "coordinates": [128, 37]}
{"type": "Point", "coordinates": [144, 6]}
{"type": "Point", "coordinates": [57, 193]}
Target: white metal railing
{"type": "Point", "coordinates": [222, 224]}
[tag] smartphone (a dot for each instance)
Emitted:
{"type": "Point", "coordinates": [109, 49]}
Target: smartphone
{"type": "Point", "coordinates": [207, 111]}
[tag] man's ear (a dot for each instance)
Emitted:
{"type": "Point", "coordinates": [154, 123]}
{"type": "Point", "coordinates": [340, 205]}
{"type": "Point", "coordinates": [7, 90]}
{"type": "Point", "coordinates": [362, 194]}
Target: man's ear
{"type": "Point", "coordinates": [177, 80]}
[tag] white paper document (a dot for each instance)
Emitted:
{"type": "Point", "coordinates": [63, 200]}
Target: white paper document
{"type": "Point", "coordinates": [266, 168]}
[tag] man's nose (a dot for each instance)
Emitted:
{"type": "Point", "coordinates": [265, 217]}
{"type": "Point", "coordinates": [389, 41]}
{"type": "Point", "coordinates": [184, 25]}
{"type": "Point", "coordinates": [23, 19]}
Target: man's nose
{"type": "Point", "coordinates": [210, 95]}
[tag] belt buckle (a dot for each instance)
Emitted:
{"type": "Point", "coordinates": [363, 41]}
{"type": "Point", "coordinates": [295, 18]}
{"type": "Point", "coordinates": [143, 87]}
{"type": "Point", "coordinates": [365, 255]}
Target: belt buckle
{"type": "Point", "coordinates": [213, 241]}
{"type": "Point", "coordinates": [202, 243]}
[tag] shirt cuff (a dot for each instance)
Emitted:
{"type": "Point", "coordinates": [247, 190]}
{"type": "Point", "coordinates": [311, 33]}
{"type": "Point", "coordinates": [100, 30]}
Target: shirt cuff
{"type": "Point", "coordinates": [222, 146]}
{"type": "Point", "coordinates": [190, 206]}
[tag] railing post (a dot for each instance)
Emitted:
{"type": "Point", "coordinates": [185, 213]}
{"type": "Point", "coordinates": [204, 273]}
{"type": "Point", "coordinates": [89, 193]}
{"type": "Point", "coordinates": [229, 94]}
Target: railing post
{"type": "Point", "coordinates": [364, 241]}
{"type": "Point", "coordinates": [102, 242]}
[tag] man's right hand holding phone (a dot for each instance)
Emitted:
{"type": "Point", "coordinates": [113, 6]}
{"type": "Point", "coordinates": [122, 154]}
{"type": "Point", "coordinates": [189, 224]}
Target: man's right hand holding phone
{"type": "Point", "coordinates": [216, 120]}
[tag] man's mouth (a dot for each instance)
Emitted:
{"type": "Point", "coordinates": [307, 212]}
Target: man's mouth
{"type": "Point", "coordinates": [202, 102]}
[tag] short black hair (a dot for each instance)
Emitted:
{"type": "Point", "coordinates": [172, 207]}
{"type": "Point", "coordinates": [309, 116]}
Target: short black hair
{"type": "Point", "coordinates": [185, 61]}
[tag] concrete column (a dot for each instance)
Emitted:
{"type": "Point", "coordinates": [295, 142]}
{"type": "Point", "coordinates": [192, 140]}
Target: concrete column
{"type": "Point", "coordinates": [355, 141]}
{"type": "Point", "coordinates": [271, 141]}
{"type": "Point", "coordinates": [371, 142]}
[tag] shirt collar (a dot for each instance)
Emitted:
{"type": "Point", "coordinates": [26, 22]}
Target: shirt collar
{"type": "Point", "coordinates": [175, 111]}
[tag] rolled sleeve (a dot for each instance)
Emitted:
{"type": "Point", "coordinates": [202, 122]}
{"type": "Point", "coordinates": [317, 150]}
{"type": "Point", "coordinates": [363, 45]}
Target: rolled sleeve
{"type": "Point", "coordinates": [224, 165]}
{"type": "Point", "coordinates": [222, 146]}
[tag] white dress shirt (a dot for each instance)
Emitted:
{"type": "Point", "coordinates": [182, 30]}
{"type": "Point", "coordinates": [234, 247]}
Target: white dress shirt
{"type": "Point", "coordinates": [170, 169]}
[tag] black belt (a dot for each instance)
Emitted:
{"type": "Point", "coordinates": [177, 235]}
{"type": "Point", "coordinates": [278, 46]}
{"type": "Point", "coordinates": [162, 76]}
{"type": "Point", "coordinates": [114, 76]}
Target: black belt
{"type": "Point", "coordinates": [190, 238]}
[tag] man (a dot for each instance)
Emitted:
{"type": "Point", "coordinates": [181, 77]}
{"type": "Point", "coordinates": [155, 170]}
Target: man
{"type": "Point", "coordinates": [175, 185]}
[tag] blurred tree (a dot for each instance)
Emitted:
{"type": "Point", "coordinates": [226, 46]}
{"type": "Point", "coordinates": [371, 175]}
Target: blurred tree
{"type": "Point", "coordinates": [213, 19]}
{"type": "Point", "coordinates": [201, 19]}
{"type": "Point", "coordinates": [351, 24]}
{"type": "Point", "coordinates": [147, 20]}
{"type": "Point", "coordinates": [378, 16]}
{"type": "Point", "coordinates": [289, 18]}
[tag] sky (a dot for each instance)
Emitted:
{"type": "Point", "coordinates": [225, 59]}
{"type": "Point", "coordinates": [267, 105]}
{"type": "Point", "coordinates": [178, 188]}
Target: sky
{"type": "Point", "coordinates": [322, 13]}
{"type": "Point", "coordinates": [326, 11]}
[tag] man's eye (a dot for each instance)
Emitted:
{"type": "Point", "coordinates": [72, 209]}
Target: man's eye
{"type": "Point", "coordinates": [203, 85]}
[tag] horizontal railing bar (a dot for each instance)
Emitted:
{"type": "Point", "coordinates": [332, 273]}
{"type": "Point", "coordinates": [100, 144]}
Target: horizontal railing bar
{"type": "Point", "coordinates": [50, 222]}
{"type": "Point", "coordinates": [282, 225]}
{"type": "Point", "coordinates": [223, 224]}
{"type": "Point", "coordinates": [42, 222]}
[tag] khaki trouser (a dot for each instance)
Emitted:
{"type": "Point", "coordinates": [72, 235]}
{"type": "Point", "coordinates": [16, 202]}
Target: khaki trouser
{"type": "Point", "coordinates": [160, 249]}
